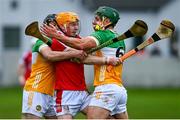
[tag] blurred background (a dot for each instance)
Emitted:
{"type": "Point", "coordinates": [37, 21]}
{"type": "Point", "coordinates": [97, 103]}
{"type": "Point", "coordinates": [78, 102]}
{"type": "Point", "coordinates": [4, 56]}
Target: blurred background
{"type": "Point", "coordinates": [152, 77]}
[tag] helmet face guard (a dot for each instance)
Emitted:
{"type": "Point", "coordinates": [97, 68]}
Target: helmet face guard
{"type": "Point", "coordinates": [78, 31]}
{"type": "Point", "coordinates": [99, 25]}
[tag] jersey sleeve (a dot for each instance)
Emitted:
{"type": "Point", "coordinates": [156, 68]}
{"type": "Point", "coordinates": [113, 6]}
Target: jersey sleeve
{"type": "Point", "coordinates": [98, 37]}
{"type": "Point", "coordinates": [102, 36]}
{"type": "Point", "coordinates": [38, 45]}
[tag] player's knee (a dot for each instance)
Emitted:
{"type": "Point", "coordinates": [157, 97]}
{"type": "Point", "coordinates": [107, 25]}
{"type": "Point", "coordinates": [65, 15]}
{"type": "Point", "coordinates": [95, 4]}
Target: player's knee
{"type": "Point", "coordinates": [123, 115]}
{"type": "Point", "coordinates": [67, 116]}
{"type": "Point", "coordinates": [90, 114]}
{"type": "Point", "coordinates": [29, 116]}
{"type": "Point", "coordinates": [98, 113]}
{"type": "Point", "coordinates": [50, 117]}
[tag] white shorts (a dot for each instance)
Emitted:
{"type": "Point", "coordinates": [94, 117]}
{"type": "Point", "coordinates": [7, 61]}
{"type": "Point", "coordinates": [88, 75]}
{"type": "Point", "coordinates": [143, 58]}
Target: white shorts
{"type": "Point", "coordinates": [111, 97]}
{"type": "Point", "coordinates": [38, 104]}
{"type": "Point", "coordinates": [70, 102]}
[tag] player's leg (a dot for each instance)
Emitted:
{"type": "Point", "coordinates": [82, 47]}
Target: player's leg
{"type": "Point", "coordinates": [68, 116]}
{"type": "Point", "coordinates": [62, 106]}
{"type": "Point", "coordinates": [50, 113]}
{"type": "Point", "coordinates": [85, 98]}
{"type": "Point", "coordinates": [95, 112]}
{"type": "Point", "coordinates": [77, 101]}
{"type": "Point", "coordinates": [50, 117]}
{"type": "Point", "coordinates": [37, 105]}
{"type": "Point", "coordinates": [123, 115]}
{"type": "Point", "coordinates": [29, 116]}
{"type": "Point", "coordinates": [32, 105]}
{"type": "Point", "coordinates": [85, 110]}
{"type": "Point", "coordinates": [103, 101]}
{"type": "Point", "coordinates": [120, 112]}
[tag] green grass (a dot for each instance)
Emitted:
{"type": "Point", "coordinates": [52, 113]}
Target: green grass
{"type": "Point", "coordinates": [10, 102]}
{"type": "Point", "coordinates": [142, 103]}
{"type": "Point", "coordinates": [156, 103]}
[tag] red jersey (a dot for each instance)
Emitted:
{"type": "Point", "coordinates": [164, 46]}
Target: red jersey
{"type": "Point", "coordinates": [69, 75]}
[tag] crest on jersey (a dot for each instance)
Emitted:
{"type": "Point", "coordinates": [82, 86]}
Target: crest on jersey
{"type": "Point", "coordinates": [38, 107]}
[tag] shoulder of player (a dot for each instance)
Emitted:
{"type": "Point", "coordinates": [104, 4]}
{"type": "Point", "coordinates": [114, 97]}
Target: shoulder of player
{"type": "Point", "coordinates": [104, 33]}
{"type": "Point", "coordinates": [39, 43]}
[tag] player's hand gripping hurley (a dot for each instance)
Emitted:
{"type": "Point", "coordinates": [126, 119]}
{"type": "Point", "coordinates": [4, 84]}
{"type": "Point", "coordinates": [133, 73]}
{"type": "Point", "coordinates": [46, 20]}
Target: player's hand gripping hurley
{"type": "Point", "coordinates": [165, 30]}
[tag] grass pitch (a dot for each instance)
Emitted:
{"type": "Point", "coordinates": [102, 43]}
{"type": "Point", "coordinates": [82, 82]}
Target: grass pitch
{"type": "Point", "coordinates": [142, 103]}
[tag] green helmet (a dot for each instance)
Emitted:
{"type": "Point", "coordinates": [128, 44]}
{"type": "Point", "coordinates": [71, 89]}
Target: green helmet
{"type": "Point", "coordinates": [108, 12]}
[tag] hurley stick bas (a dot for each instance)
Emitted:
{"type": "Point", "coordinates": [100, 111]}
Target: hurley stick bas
{"type": "Point", "coordinates": [33, 30]}
{"type": "Point", "coordinates": [165, 30]}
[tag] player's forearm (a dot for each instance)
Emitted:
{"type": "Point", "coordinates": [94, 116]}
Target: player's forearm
{"type": "Point", "coordinates": [59, 56]}
{"type": "Point", "coordinates": [81, 44]}
{"type": "Point", "coordinates": [50, 55]}
{"type": "Point", "coordinates": [72, 42]}
{"type": "Point", "coordinates": [95, 60]}
{"type": "Point", "coordinates": [102, 60]}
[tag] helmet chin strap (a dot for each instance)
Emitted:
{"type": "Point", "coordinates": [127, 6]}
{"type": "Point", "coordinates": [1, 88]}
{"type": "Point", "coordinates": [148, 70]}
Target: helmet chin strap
{"type": "Point", "coordinates": [60, 27]}
{"type": "Point", "coordinates": [100, 27]}
{"type": "Point", "coordinates": [65, 28]}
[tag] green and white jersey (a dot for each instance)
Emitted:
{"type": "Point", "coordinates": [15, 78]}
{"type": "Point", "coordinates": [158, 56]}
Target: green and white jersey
{"type": "Point", "coordinates": [105, 35]}
{"type": "Point", "coordinates": [102, 74]}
